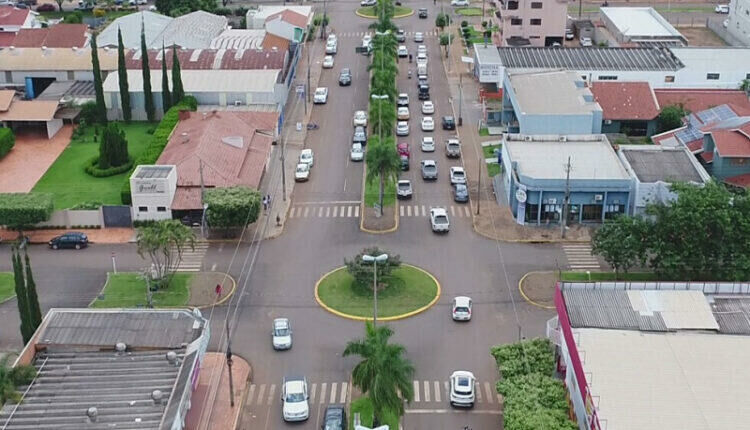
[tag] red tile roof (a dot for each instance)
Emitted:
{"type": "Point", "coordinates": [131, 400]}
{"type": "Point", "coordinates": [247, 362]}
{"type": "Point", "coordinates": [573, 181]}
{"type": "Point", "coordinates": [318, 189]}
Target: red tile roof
{"type": "Point", "coordinates": [290, 16]}
{"type": "Point", "coordinates": [739, 180]}
{"type": "Point", "coordinates": [7, 38]}
{"type": "Point", "coordinates": [626, 100]}
{"type": "Point", "coordinates": [696, 100]}
{"type": "Point", "coordinates": [216, 59]}
{"type": "Point", "coordinates": [10, 15]}
{"type": "Point", "coordinates": [708, 157]}
{"type": "Point", "coordinates": [57, 36]}
{"type": "Point", "coordinates": [731, 143]}
{"type": "Point", "coordinates": [228, 145]}
{"type": "Point", "coordinates": [272, 40]}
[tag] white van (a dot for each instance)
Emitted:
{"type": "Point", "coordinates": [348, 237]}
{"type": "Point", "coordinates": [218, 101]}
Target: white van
{"type": "Point", "coordinates": [422, 70]}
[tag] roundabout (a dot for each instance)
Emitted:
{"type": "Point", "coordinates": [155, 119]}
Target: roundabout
{"type": "Point", "coordinates": [399, 12]}
{"type": "Point", "coordinates": [408, 291]}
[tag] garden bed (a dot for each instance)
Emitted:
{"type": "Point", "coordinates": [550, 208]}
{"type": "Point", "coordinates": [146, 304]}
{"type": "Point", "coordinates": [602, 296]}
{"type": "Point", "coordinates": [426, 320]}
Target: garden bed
{"type": "Point", "coordinates": [128, 290]}
{"type": "Point", "coordinates": [399, 12]}
{"type": "Point", "coordinates": [7, 286]}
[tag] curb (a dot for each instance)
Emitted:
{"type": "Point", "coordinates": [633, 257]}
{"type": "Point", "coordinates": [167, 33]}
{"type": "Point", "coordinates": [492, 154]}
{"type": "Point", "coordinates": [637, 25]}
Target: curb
{"type": "Point", "coordinates": [361, 15]}
{"type": "Point", "coordinates": [384, 319]}
{"type": "Point", "coordinates": [226, 297]}
{"type": "Point", "coordinates": [532, 241]}
{"type": "Point", "coordinates": [362, 209]}
{"type": "Point", "coordinates": [100, 292]}
{"type": "Point", "coordinates": [8, 299]}
{"type": "Point", "coordinates": [525, 297]}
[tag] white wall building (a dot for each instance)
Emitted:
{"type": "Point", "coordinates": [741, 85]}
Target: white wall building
{"type": "Point", "coordinates": [256, 18]}
{"type": "Point", "coordinates": [642, 25]}
{"type": "Point", "coordinates": [60, 64]}
{"type": "Point", "coordinates": [152, 190]}
{"type": "Point", "coordinates": [739, 20]}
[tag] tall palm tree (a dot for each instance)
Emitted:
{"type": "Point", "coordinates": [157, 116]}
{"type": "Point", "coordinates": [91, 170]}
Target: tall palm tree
{"type": "Point", "coordinates": [382, 162]}
{"type": "Point", "coordinates": [382, 117]}
{"type": "Point", "coordinates": [382, 61]}
{"type": "Point", "coordinates": [385, 43]}
{"type": "Point", "coordinates": [384, 374]}
{"type": "Point", "coordinates": [383, 83]}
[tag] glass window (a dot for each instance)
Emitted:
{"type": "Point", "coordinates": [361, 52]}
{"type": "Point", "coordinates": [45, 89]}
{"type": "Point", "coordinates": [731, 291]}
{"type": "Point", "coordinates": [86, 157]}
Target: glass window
{"type": "Point", "coordinates": [512, 5]}
{"type": "Point", "coordinates": [532, 211]}
{"type": "Point", "coordinates": [161, 209]}
{"type": "Point", "coordinates": [712, 76]}
{"type": "Point", "coordinates": [536, 21]}
{"type": "Point", "coordinates": [669, 78]}
{"type": "Point", "coordinates": [607, 78]}
{"type": "Point", "coordinates": [592, 213]}
{"type": "Point", "coordinates": [142, 208]}
{"type": "Point", "coordinates": [536, 5]}
{"type": "Point", "coordinates": [516, 21]}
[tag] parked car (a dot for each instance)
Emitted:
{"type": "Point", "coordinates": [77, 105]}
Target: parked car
{"type": "Point", "coordinates": [429, 169]}
{"type": "Point", "coordinates": [428, 124]}
{"type": "Point", "coordinates": [345, 77]}
{"type": "Point", "coordinates": [404, 159]}
{"type": "Point", "coordinates": [402, 51]}
{"type": "Point", "coordinates": [357, 153]}
{"type": "Point", "coordinates": [569, 34]}
{"type": "Point", "coordinates": [321, 95]}
{"type": "Point", "coordinates": [328, 62]}
{"type": "Point", "coordinates": [462, 388]}
{"type": "Point", "coordinates": [334, 418]}
{"type": "Point", "coordinates": [71, 239]}
{"type": "Point", "coordinates": [461, 309]}
{"type": "Point", "coordinates": [332, 38]}
{"type": "Point", "coordinates": [402, 128]}
{"type": "Point", "coordinates": [403, 189]}
{"type": "Point", "coordinates": [403, 148]}
{"type": "Point", "coordinates": [428, 108]}
{"type": "Point", "coordinates": [360, 135]}
{"type": "Point", "coordinates": [403, 99]}
{"type": "Point", "coordinates": [458, 176]}
{"type": "Point", "coordinates": [366, 3]}
{"type": "Point", "coordinates": [366, 39]}
{"type": "Point", "coordinates": [281, 335]}
{"type": "Point", "coordinates": [46, 7]}
{"type": "Point", "coordinates": [423, 13]}
{"type": "Point", "coordinates": [449, 123]}
{"type": "Point", "coordinates": [439, 220]}
{"type": "Point", "coordinates": [459, 2]}
{"type": "Point", "coordinates": [452, 148]}
{"type": "Point", "coordinates": [460, 193]}
{"type": "Point", "coordinates": [400, 36]}
{"type": "Point", "coordinates": [428, 144]}
{"type": "Point", "coordinates": [306, 156]}
{"type": "Point", "coordinates": [331, 48]}
{"type": "Point", "coordinates": [403, 113]}
{"type": "Point", "coordinates": [586, 41]}
{"type": "Point", "coordinates": [302, 173]}
{"type": "Point", "coordinates": [294, 397]}
{"type": "Point", "coordinates": [721, 8]}
{"type": "Point", "coordinates": [360, 118]}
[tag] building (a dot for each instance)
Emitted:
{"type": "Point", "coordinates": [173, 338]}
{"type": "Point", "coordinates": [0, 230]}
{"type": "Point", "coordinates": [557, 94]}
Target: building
{"type": "Point", "coordinates": [256, 18]}
{"type": "Point", "coordinates": [642, 26]}
{"type": "Point", "coordinates": [638, 355]}
{"type": "Point", "coordinates": [739, 20]}
{"type": "Point", "coordinates": [193, 30]}
{"type": "Point", "coordinates": [241, 39]}
{"type": "Point", "coordinates": [554, 102]}
{"type": "Point", "coordinates": [536, 174]}
{"type": "Point", "coordinates": [152, 190]}
{"type": "Point", "coordinates": [29, 115]}
{"type": "Point", "coordinates": [531, 23]}
{"type": "Point", "coordinates": [12, 20]}
{"type": "Point", "coordinates": [57, 36]}
{"type": "Point", "coordinates": [696, 100]}
{"type": "Point", "coordinates": [111, 368]}
{"type": "Point", "coordinates": [212, 59]}
{"type": "Point", "coordinates": [288, 24]}
{"type": "Point", "coordinates": [217, 149]}
{"type": "Point", "coordinates": [630, 108]}
{"type": "Point", "coordinates": [654, 168]}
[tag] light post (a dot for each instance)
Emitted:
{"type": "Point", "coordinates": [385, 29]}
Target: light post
{"type": "Point", "coordinates": [374, 260]}
{"type": "Point", "coordinates": [203, 220]}
{"type": "Point", "coordinates": [380, 138]}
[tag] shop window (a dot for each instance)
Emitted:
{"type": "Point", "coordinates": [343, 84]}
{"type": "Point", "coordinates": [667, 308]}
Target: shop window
{"type": "Point", "coordinates": [516, 21]}
{"type": "Point", "coordinates": [535, 21]}
{"type": "Point", "coordinates": [613, 211]}
{"type": "Point", "coordinates": [142, 208]}
{"type": "Point", "coordinates": [532, 213]}
{"type": "Point", "coordinates": [551, 213]}
{"type": "Point", "coordinates": [592, 213]}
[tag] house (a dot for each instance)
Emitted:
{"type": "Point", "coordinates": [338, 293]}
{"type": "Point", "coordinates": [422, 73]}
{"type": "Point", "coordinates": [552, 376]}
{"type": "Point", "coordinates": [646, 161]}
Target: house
{"type": "Point", "coordinates": [537, 170]}
{"type": "Point", "coordinates": [738, 23]}
{"type": "Point", "coordinates": [57, 36]}
{"type": "Point", "coordinates": [549, 102]}
{"type": "Point", "coordinates": [696, 100]}
{"type": "Point", "coordinates": [654, 168]}
{"type": "Point", "coordinates": [29, 115]}
{"type": "Point", "coordinates": [111, 368]}
{"type": "Point", "coordinates": [641, 26]}
{"type": "Point", "coordinates": [152, 191]}
{"type": "Point", "coordinates": [193, 30]}
{"type": "Point", "coordinates": [531, 23]}
{"type": "Point", "coordinates": [256, 18]}
{"type": "Point", "coordinates": [635, 355]}
{"type": "Point", "coordinates": [630, 108]}
{"type": "Point", "coordinates": [12, 20]}
{"type": "Point", "coordinates": [217, 149]}
{"type": "Point", "coordinates": [288, 25]}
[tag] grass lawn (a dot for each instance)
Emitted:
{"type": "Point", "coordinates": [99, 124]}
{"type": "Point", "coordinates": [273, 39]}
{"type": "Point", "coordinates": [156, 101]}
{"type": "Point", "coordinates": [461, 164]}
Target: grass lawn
{"type": "Point", "coordinates": [111, 15]}
{"type": "Point", "coordinates": [484, 131]}
{"type": "Point", "coordinates": [408, 289]}
{"type": "Point", "coordinates": [493, 169]}
{"type": "Point", "coordinates": [609, 276]}
{"type": "Point", "coordinates": [489, 151]}
{"type": "Point", "coordinates": [372, 192]}
{"type": "Point", "coordinates": [363, 405]}
{"type": "Point", "coordinates": [128, 290]}
{"type": "Point", "coordinates": [369, 11]}
{"type": "Point", "coordinates": [470, 11]}
{"type": "Point", "coordinates": [71, 185]}
{"type": "Point", "coordinates": [7, 286]}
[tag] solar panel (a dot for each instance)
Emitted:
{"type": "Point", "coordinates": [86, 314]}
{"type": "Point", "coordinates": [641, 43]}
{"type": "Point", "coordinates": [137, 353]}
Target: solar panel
{"type": "Point", "coordinates": [707, 116]}
{"type": "Point", "coordinates": [689, 134]}
{"type": "Point", "coordinates": [693, 121]}
{"type": "Point", "coordinates": [724, 112]}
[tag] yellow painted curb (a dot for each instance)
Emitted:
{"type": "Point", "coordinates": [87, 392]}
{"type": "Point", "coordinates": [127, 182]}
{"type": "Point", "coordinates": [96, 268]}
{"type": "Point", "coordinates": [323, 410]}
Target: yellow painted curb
{"type": "Point", "coordinates": [226, 297]}
{"type": "Point", "coordinates": [525, 297]}
{"type": "Point", "coordinates": [362, 209]}
{"type": "Point", "coordinates": [361, 15]}
{"type": "Point", "coordinates": [386, 319]}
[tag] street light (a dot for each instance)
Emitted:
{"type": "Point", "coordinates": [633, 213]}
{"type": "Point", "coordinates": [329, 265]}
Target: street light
{"type": "Point", "coordinates": [375, 260]}
{"type": "Point", "coordinates": [203, 220]}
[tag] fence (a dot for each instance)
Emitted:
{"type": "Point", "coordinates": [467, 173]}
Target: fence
{"type": "Point", "coordinates": [705, 287]}
{"type": "Point", "coordinates": [68, 218]}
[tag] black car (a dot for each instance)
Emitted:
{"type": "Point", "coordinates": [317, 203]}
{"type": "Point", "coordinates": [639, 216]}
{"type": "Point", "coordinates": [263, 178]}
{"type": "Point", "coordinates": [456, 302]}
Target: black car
{"type": "Point", "coordinates": [422, 81]}
{"type": "Point", "coordinates": [334, 418]}
{"type": "Point", "coordinates": [460, 193]}
{"type": "Point", "coordinates": [404, 162]}
{"type": "Point", "coordinates": [345, 77]}
{"type": "Point", "coordinates": [449, 123]}
{"type": "Point", "coordinates": [423, 12]}
{"type": "Point", "coordinates": [424, 92]}
{"type": "Point", "coordinates": [72, 239]}
{"type": "Point", "coordinates": [400, 36]}
{"type": "Point", "coordinates": [360, 135]}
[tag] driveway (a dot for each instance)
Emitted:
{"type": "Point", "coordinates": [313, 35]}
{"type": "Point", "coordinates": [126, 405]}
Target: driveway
{"type": "Point", "coordinates": [30, 158]}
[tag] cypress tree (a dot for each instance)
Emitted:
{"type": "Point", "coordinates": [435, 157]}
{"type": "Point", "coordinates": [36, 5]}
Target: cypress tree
{"type": "Point", "coordinates": [101, 109]}
{"type": "Point", "coordinates": [35, 312]}
{"type": "Point", "coordinates": [122, 73]}
{"type": "Point", "coordinates": [21, 296]}
{"type": "Point", "coordinates": [166, 97]}
{"type": "Point", "coordinates": [150, 109]}
{"type": "Point", "coordinates": [178, 92]}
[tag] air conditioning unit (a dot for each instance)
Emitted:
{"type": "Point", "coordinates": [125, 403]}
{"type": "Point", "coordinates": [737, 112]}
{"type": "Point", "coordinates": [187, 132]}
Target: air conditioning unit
{"type": "Point", "coordinates": [607, 121]}
{"type": "Point", "coordinates": [598, 198]}
{"type": "Point", "coordinates": [552, 201]}
{"type": "Point", "coordinates": [527, 138]}
{"type": "Point", "coordinates": [238, 102]}
{"type": "Point", "coordinates": [563, 138]}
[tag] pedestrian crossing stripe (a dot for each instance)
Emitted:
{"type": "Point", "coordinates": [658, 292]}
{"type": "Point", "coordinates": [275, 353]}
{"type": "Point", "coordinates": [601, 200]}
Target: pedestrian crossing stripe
{"type": "Point", "coordinates": [580, 258]}
{"type": "Point", "coordinates": [423, 211]}
{"type": "Point", "coordinates": [409, 34]}
{"type": "Point", "coordinates": [336, 211]}
{"type": "Point", "coordinates": [192, 259]}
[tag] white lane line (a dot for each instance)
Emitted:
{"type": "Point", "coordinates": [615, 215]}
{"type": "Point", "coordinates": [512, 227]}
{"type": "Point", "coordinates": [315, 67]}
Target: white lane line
{"type": "Point", "coordinates": [320, 212]}
{"type": "Point", "coordinates": [291, 212]}
{"type": "Point", "coordinates": [424, 213]}
{"type": "Point", "coordinates": [400, 210]}
{"type": "Point", "coordinates": [416, 390]}
{"type": "Point", "coordinates": [437, 391]}
{"type": "Point", "coordinates": [335, 211]}
{"type": "Point", "coordinates": [344, 387]}
{"type": "Point", "coordinates": [334, 202]}
{"type": "Point", "coordinates": [488, 391]}
{"type": "Point", "coordinates": [333, 392]}
{"type": "Point", "coordinates": [426, 391]}
{"type": "Point", "coordinates": [452, 411]}
{"type": "Point", "coordinates": [250, 395]}
{"type": "Point", "coordinates": [271, 392]}
{"type": "Point", "coordinates": [260, 394]}
{"type": "Point", "coordinates": [312, 393]}
{"type": "Point", "coordinates": [408, 211]}
{"type": "Point", "coordinates": [446, 386]}
{"type": "Point", "coordinates": [349, 212]}
{"type": "Point", "coordinates": [328, 211]}
{"type": "Point", "coordinates": [466, 210]}
{"type": "Point", "coordinates": [323, 387]}
{"type": "Point", "coordinates": [478, 391]}
{"type": "Point", "coordinates": [453, 211]}
{"type": "Point", "coordinates": [306, 211]}
{"type": "Point", "coordinates": [356, 211]}
{"type": "Point", "coordinates": [213, 267]}
{"type": "Point", "coordinates": [499, 399]}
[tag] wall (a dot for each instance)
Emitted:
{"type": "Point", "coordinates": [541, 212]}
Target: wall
{"type": "Point", "coordinates": [281, 28]}
{"type": "Point", "coordinates": [70, 218]}
{"type": "Point", "coordinates": [553, 15]}
{"type": "Point", "coordinates": [584, 123]}
{"type": "Point", "coordinates": [53, 127]}
{"type": "Point", "coordinates": [739, 20]}
{"type": "Point", "coordinates": [152, 194]}
{"type": "Point", "coordinates": [726, 167]}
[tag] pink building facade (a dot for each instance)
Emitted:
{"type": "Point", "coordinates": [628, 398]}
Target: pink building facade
{"type": "Point", "coordinates": [531, 22]}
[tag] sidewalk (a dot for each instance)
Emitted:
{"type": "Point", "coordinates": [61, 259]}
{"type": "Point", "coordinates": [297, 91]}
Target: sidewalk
{"type": "Point", "coordinates": [210, 400]}
{"type": "Point", "coordinates": [98, 235]}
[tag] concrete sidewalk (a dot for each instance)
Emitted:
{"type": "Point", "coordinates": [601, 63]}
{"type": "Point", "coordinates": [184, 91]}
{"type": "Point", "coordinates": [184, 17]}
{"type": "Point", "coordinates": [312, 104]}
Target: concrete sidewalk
{"type": "Point", "coordinates": [210, 401]}
{"type": "Point", "coordinates": [98, 235]}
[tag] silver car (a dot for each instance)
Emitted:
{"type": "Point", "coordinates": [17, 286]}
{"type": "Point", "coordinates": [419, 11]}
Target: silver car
{"type": "Point", "coordinates": [429, 169]}
{"type": "Point", "coordinates": [281, 336]}
{"type": "Point", "coordinates": [403, 189]}
{"type": "Point", "coordinates": [462, 389]}
{"type": "Point", "coordinates": [402, 128]}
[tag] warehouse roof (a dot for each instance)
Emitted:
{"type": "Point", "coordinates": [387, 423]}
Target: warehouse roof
{"type": "Point", "coordinates": [591, 58]}
{"type": "Point", "coordinates": [657, 163]}
{"type": "Point", "coordinates": [216, 59]}
{"type": "Point", "coordinates": [551, 92]}
{"type": "Point", "coordinates": [198, 81]}
{"type": "Point", "coordinates": [130, 26]}
{"type": "Point", "coordinates": [713, 58]}
{"type": "Point", "coordinates": [57, 36]}
{"type": "Point", "coordinates": [639, 21]}
{"type": "Point", "coordinates": [62, 59]}
{"type": "Point", "coordinates": [192, 30]}
{"type": "Point", "coordinates": [238, 39]}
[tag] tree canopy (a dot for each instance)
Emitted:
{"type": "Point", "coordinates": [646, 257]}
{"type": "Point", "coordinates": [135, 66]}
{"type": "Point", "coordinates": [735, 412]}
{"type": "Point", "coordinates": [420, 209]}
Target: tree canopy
{"type": "Point", "coordinates": [232, 207]}
{"type": "Point", "coordinates": [671, 117]}
{"type": "Point", "coordinates": [164, 242]}
{"type": "Point", "coordinates": [18, 210]}
{"type": "Point", "coordinates": [362, 271]}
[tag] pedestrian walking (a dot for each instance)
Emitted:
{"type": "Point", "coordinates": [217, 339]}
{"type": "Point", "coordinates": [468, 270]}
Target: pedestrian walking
{"type": "Point", "coordinates": [268, 199]}
{"type": "Point", "coordinates": [265, 203]}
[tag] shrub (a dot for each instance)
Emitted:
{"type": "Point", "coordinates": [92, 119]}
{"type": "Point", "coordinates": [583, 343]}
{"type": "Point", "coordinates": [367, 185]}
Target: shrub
{"type": "Point", "coordinates": [93, 169]}
{"type": "Point", "coordinates": [522, 358]}
{"type": "Point", "coordinates": [87, 206]}
{"type": "Point", "coordinates": [240, 11]}
{"type": "Point", "coordinates": [7, 140]}
{"type": "Point", "coordinates": [18, 210]}
{"type": "Point", "coordinates": [113, 150]}
{"type": "Point", "coordinates": [73, 18]}
{"type": "Point", "coordinates": [99, 12]}
{"type": "Point", "coordinates": [224, 11]}
{"type": "Point", "coordinates": [445, 39]}
{"type": "Point", "coordinates": [464, 24]}
{"type": "Point", "coordinates": [89, 112]}
{"type": "Point", "coordinates": [484, 24]}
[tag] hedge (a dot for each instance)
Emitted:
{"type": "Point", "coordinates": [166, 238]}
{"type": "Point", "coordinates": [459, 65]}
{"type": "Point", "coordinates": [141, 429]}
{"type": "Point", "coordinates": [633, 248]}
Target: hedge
{"type": "Point", "coordinates": [159, 141]}
{"type": "Point", "coordinates": [7, 140]}
{"type": "Point", "coordinates": [18, 210]}
{"type": "Point", "coordinates": [522, 358]}
{"type": "Point", "coordinates": [92, 168]}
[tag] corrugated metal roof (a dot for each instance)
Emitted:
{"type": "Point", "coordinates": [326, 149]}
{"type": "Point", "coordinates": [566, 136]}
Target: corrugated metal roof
{"type": "Point", "coordinates": [212, 59]}
{"type": "Point", "coordinates": [130, 27]}
{"type": "Point", "coordinates": [607, 309]}
{"type": "Point", "coordinates": [198, 81]}
{"type": "Point", "coordinates": [591, 58]}
{"type": "Point", "coordinates": [732, 314]}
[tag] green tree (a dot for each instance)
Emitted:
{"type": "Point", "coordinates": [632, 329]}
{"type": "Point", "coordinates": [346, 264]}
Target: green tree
{"type": "Point", "coordinates": [362, 271]}
{"type": "Point", "coordinates": [383, 163]}
{"type": "Point", "coordinates": [442, 20]}
{"type": "Point", "coordinates": [383, 62]}
{"type": "Point", "coordinates": [181, 7]}
{"type": "Point", "coordinates": [166, 97]}
{"type": "Point", "coordinates": [383, 83]}
{"type": "Point", "coordinates": [27, 331]}
{"type": "Point", "coordinates": [622, 242]}
{"type": "Point", "coordinates": [146, 71]}
{"type": "Point", "coordinates": [382, 117]}
{"type": "Point", "coordinates": [671, 117]}
{"type": "Point", "coordinates": [7, 141]}
{"type": "Point", "coordinates": [122, 75]}
{"type": "Point", "coordinates": [113, 147]}
{"type": "Point", "coordinates": [178, 91]}
{"type": "Point", "coordinates": [19, 210]}
{"type": "Point", "coordinates": [384, 373]}
{"type": "Point", "coordinates": [233, 207]}
{"type": "Point", "coordinates": [101, 109]}
{"type": "Point", "coordinates": [164, 242]}
{"type": "Point", "coordinates": [445, 39]}
{"type": "Point", "coordinates": [13, 377]}
{"type": "Point", "coordinates": [73, 18]}
{"type": "Point", "coordinates": [387, 44]}
{"type": "Point", "coordinates": [35, 311]}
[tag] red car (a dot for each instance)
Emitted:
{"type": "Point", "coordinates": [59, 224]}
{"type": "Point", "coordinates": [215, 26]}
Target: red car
{"type": "Point", "coordinates": [403, 148]}
{"type": "Point", "coordinates": [47, 7]}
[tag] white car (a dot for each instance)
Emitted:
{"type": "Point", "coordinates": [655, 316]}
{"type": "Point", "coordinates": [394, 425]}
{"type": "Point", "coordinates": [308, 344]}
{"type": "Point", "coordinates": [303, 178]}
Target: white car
{"type": "Point", "coordinates": [365, 3]}
{"type": "Point", "coordinates": [428, 124]}
{"type": "Point", "coordinates": [403, 113]}
{"type": "Point", "coordinates": [306, 156]}
{"type": "Point", "coordinates": [366, 40]}
{"type": "Point", "coordinates": [721, 8]}
{"type": "Point", "coordinates": [421, 49]}
{"type": "Point", "coordinates": [419, 37]}
{"type": "Point", "coordinates": [357, 153]}
{"type": "Point", "coordinates": [321, 95]}
{"type": "Point", "coordinates": [462, 388]}
{"type": "Point", "coordinates": [402, 51]}
{"type": "Point", "coordinates": [302, 173]}
{"type": "Point", "coordinates": [403, 189]}
{"type": "Point", "coordinates": [360, 118]}
{"type": "Point", "coordinates": [142, 1]}
{"type": "Point", "coordinates": [281, 336]}
{"type": "Point", "coordinates": [439, 220]}
{"type": "Point", "coordinates": [458, 176]}
{"type": "Point", "coordinates": [294, 397]}
{"type": "Point", "coordinates": [427, 107]}
{"type": "Point", "coordinates": [586, 41]}
{"type": "Point", "coordinates": [428, 144]}
{"type": "Point", "coordinates": [421, 59]}
{"type": "Point", "coordinates": [461, 309]}
{"type": "Point", "coordinates": [332, 39]}
{"type": "Point", "coordinates": [328, 62]}
{"type": "Point", "coordinates": [402, 128]}
{"type": "Point", "coordinates": [331, 47]}
{"type": "Point", "coordinates": [459, 2]}
{"type": "Point", "coordinates": [403, 99]}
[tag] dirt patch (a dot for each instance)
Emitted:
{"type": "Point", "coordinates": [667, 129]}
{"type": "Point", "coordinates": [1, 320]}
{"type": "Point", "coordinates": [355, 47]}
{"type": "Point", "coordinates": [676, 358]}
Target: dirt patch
{"type": "Point", "coordinates": [701, 36]}
{"type": "Point", "coordinates": [30, 158]}
{"type": "Point", "coordinates": [539, 288]}
{"type": "Point", "coordinates": [203, 288]}
{"type": "Point", "coordinates": [372, 222]}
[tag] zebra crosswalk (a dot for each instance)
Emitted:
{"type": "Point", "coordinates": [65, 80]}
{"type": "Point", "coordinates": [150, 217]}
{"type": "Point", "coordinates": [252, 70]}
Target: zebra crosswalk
{"type": "Point", "coordinates": [455, 211]}
{"type": "Point", "coordinates": [192, 259]}
{"type": "Point", "coordinates": [361, 34]}
{"type": "Point", "coordinates": [346, 210]}
{"type": "Point", "coordinates": [579, 257]}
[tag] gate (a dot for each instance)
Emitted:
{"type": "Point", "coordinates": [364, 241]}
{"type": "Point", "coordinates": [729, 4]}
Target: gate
{"type": "Point", "coordinates": [117, 216]}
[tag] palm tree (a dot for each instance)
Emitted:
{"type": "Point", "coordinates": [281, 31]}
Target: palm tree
{"type": "Point", "coordinates": [383, 83]}
{"type": "Point", "coordinates": [382, 161]}
{"type": "Point", "coordinates": [385, 43]}
{"type": "Point", "coordinates": [382, 117]}
{"type": "Point", "coordinates": [384, 374]}
{"type": "Point", "coordinates": [381, 61]}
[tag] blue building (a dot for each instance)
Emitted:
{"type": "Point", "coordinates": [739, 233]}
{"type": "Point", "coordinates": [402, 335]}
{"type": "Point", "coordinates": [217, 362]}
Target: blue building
{"type": "Point", "coordinates": [549, 102]}
{"type": "Point", "coordinates": [537, 168]}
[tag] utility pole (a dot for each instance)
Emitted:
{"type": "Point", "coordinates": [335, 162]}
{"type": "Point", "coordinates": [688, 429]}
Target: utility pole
{"type": "Point", "coordinates": [203, 188]}
{"type": "Point", "coordinates": [283, 170]}
{"type": "Point", "coordinates": [323, 24]}
{"type": "Point", "coordinates": [564, 211]}
{"type": "Point", "coordinates": [460, 98]}
{"type": "Point", "coordinates": [375, 292]}
{"type": "Point", "coordinates": [308, 77]}
{"type": "Point", "coordinates": [482, 163]}
{"type": "Point", "coordinates": [580, 8]}
{"type": "Point", "coordinates": [229, 365]}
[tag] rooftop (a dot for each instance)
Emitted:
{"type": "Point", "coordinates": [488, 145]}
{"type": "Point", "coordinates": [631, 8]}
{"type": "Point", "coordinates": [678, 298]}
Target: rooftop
{"type": "Point", "coordinates": [215, 59]}
{"type": "Point", "coordinates": [30, 110]}
{"type": "Point", "coordinates": [290, 16]}
{"type": "Point", "coordinates": [57, 36]}
{"type": "Point", "coordinates": [591, 58]}
{"type": "Point", "coordinates": [695, 100]}
{"type": "Point", "coordinates": [656, 163]}
{"type": "Point", "coordinates": [130, 26]}
{"type": "Point", "coordinates": [264, 11]}
{"type": "Point", "coordinates": [639, 21]}
{"type": "Point", "coordinates": [13, 16]}
{"type": "Point", "coordinates": [554, 92]}
{"type": "Point", "coordinates": [6, 98]}
{"type": "Point", "coordinates": [192, 30]}
{"type": "Point", "coordinates": [545, 157]}
{"type": "Point", "coordinates": [152, 172]}
{"type": "Point", "coordinates": [196, 81]}
{"type": "Point", "coordinates": [239, 39]}
{"type": "Point", "coordinates": [713, 58]}
{"type": "Point", "coordinates": [68, 89]}
{"type": "Point", "coordinates": [273, 41]}
{"type": "Point", "coordinates": [55, 59]}
{"type": "Point", "coordinates": [487, 54]}
{"type": "Point", "coordinates": [732, 143]}
{"type": "Point", "coordinates": [625, 100]}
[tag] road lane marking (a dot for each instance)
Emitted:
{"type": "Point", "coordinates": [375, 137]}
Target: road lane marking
{"type": "Point", "coordinates": [424, 213]}
{"type": "Point", "coordinates": [250, 395]}
{"type": "Point", "coordinates": [312, 393]}
{"type": "Point", "coordinates": [453, 211]}
{"type": "Point", "coordinates": [499, 398]}
{"type": "Point", "coordinates": [468, 213]}
{"type": "Point", "coordinates": [408, 211]}
{"type": "Point", "coordinates": [478, 391]}
{"type": "Point", "coordinates": [426, 391]}
{"type": "Point", "coordinates": [328, 211]}
{"type": "Point", "coordinates": [334, 202]}
{"type": "Point", "coordinates": [437, 391]}
{"type": "Point", "coordinates": [452, 411]}
{"type": "Point", "coordinates": [306, 211]}
{"type": "Point", "coordinates": [291, 212]}
{"type": "Point", "coordinates": [447, 389]}
{"type": "Point", "coordinates": [344, 392]}
{"type": "Point", "coordinates": [416, 391]}
{"type": "Point", "coordinates": [488, 391]}
{"type": "Point", "coordinates": [349, 212]}
{"type": "Point", "coordinates": [356, 211]}
{"type": "Point", "coordinates": [213, 267]}
{"type": "Point", "coordinates": [271, 392]}
{"type": "Point", "coordinates": [333, 392]}
{"type": "Point", "coordinates": [320, 212]}
{"type": "Point", "coordinates": [323, 387]}
{"type": "Point", "coordinates": [401, 210]}
{"type": "Point", "coordinates": [260, 394]}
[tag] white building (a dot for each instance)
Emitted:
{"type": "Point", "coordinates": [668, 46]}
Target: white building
{"type": "Point", "coordinates": [152, 189]}
{"type": "Point", "coordinates": [193, 30]}
{"type": "Point", "coordinates": [55, 64]}
{"type": "Point", "coordinates": [642, 25]}
{"type": "Point", "coordinates": [256, 18]}
{"type": "Point", "coordinates": [739, 20]}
